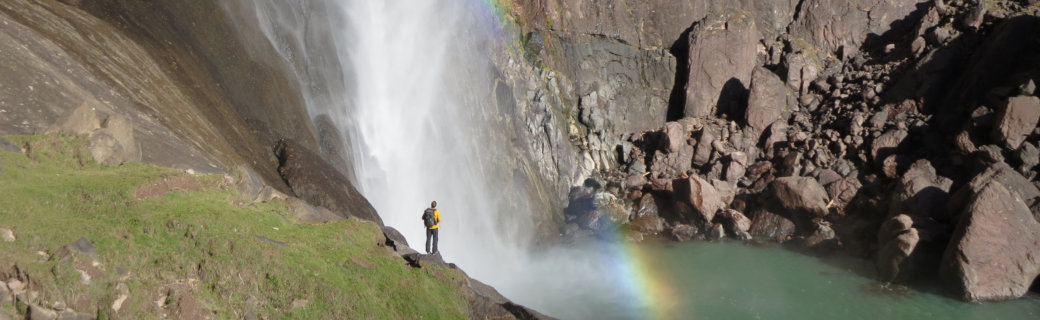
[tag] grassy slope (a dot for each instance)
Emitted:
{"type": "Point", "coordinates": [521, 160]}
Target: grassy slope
{"type": "Point", "coordinates": [197, 251]}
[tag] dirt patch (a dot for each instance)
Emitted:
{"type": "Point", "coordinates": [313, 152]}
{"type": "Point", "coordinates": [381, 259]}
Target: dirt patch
{"type": "Point", "coordinates": [167, 185]}
{"type": "Point", "coordinates": [361, 262]}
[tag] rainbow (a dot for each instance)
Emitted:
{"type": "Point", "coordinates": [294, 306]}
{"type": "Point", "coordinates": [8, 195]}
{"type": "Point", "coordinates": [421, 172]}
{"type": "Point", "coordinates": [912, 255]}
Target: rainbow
{"type": "Point", "coordinates": [633, 264]}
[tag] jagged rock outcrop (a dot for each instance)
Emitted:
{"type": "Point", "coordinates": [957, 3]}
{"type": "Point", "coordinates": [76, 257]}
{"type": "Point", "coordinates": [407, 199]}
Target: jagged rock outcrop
{"type": "Point", "coordinates": [982, 259]}
{"type": "Point", "coordinates": [723, 49]}
{"type": "Point", "coordinates": [318, 183]}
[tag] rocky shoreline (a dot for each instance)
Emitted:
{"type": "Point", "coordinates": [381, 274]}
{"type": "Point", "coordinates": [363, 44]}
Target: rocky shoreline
{"type": "Point", "coordinates": [905, 133]}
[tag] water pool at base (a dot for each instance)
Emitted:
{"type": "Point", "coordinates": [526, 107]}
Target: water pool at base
{"type": "Point", "coordinates": [730, 280]}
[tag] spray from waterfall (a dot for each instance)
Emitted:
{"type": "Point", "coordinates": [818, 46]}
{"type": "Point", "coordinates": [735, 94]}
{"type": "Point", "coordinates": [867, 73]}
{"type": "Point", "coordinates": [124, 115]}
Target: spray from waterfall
{"type": "Point", "coordinates": [410, 84]}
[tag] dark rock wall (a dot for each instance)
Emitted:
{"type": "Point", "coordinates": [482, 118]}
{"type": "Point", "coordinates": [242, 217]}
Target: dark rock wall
{"type": "Point", "coordinates": [198, 98]}
{"type": "Point", "coordinates": [890, 110]}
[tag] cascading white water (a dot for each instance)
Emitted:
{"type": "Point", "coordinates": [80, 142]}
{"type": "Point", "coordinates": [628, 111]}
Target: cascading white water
{"type": "Point", "coordinates": [410, 84]}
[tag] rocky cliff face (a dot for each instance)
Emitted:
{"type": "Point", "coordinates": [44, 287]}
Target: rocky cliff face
{"type": "Point", "coordinates": [195, 97]}
{"type": "Point", "coordinates": [861, 126]}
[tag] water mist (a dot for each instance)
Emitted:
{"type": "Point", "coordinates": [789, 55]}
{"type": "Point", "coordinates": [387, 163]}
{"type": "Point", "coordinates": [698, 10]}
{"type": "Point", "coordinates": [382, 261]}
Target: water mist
{"type": "Point", "coordinates": [410, 85]}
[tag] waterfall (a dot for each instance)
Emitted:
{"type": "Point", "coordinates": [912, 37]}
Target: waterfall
{"type": "Point", "coordinates": [410, 85]}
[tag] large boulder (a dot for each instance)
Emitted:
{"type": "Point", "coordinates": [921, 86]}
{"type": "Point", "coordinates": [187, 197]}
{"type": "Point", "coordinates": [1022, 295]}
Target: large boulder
{"type": "Point", "coordinates": [700, 194]}
{"type": "Point", "coordinates": [801, 197]}
{"type": "Point", "coordinates": [921, 193]}
{"type": "Point", "coordinates": [1017, 120]}
{"type": "Point", "coordinates": [1009, 178]}
{"type": "Point", "coordinates": [317, 182]}
{"type": "Point", "coordinates": [995, 252]}
{"type": "Point", "coordinates": [768, 224]}
{"type": "Point", "coordinates": [723, 49]}
{"type": "Point", "coordinates": [648, 224]}
{"type": "Point", "coordinates": [768, 101]}
{"type": "Point", "coordinates": [111, 135]}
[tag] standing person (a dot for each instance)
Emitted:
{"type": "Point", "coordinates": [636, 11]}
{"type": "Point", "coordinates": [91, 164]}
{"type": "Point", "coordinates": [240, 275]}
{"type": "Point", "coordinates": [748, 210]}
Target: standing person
{"type": "Point", "coordinates": [432, 220]}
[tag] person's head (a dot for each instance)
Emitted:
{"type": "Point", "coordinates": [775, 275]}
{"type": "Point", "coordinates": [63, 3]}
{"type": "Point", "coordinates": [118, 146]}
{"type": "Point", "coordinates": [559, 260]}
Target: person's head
{"type": "Point", "coordinates": [433, 204]}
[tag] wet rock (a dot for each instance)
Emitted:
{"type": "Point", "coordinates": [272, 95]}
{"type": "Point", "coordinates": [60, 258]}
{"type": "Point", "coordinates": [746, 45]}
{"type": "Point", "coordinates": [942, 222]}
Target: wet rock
{"type": "Point", "coordinates": [896, 240]}
{"type": "Point", "coordinates": [700, 194]}
{"type": "Point", "coordinates": [768, 100]}
{"type": "Point", "coordinates": [648, 224]}
{"type": "Point", "coordinates": [723, 49]}
{"type": "Point", "coordinates": [768, 224]}
{"type": "Point", "coordinates": [7, 235]}
{"type": "Point", "coordinates": [1017, 120]}
{"type": "Point", "coordinates": [716, 232]}
{"type": "Point", "coordinates": [994, 254]}
{"type": "Point", "coordinates": [647, 206]}
{"type": "Point", "coordinates": [737, 224]}
{"type": "Point", "coordinates": [593, 220]}
{"type": "Point", "coordinates": [821, 233]}
{"type": "Point", "coordinates": [317, 182]}
{"type": "Point", "coordinates": [684, 232]}
{"type": "Point", "coordinates": [800, 196]}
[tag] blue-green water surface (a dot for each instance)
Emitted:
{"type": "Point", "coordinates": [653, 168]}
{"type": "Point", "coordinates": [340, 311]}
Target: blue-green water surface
{"type": "Point", "coordinates": [731, 280]}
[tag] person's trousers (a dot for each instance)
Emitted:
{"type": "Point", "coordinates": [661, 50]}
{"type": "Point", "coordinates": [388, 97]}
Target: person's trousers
{"type": "Point", "coordinates": [431, 233]}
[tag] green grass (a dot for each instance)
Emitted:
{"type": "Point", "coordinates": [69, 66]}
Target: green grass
{"type": "Point", "coordinates": [196, 251]}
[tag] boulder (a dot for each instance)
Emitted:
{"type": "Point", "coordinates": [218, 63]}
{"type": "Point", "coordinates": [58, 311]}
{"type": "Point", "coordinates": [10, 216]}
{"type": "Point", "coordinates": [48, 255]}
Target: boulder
{"type": "Point", "coordinates": [394, 239]}
{"type": "Point", "coordinates": [41, 313]}
{"type": "Point", "coordinates": [647, 207]}
{"type": "Point", "coordinates": [716, 232]}
{"type": "Point", "coordinates": [892, 254]}
{"type": "Point", "coordinates": [672, 164]}
{"type": "Point", "coordinates": [768, 224]}
{"type": "Point", "coordinates": [1017, 120]}
{"type": "Point", "coordinates": [737, 224]}
{"type": "Point", "coordinates": [886, 144]}
{"type": "Point", "coordinates": [318, 183]}
{"type": "Point", "coordinates": [7, 235]}
{"type": "Point", "coordinates": [921, 193]}
{"type": "Point", "coordinates": [822, 232]}
{"type": "Point", "coordinates": [769, 99]}
{"type": "Point", "coordinates": [700, 194]}
{"type": "Point", "coordinates": [675, 135]}
{"type": "Point", "coordinates": [419, 260]}
{"type": "Point", "coordinates": [303, 212]}
{"type": "Point", "coordinates": [994, 254]}
{"type": "Point", "coordinates": [896, 241]}
{"type": "Point", "coordinates": [648, 224]}
{"type": "Point", "coordinates": [684, 232]}
{"type": "Point", "coordinates": [723, 49]}
{"type": "Point", "coordinates": [1009, 178]}
{"type": "Point", "coordinates": [800, 196]}
{"type": "Point", "coordinates": [1028, 157]}
{"type": "Point", "coordinates": [702, 155]}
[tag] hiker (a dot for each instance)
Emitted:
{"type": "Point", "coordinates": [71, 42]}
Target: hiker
{"type": "Point", "coordinates": [432, 219]}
